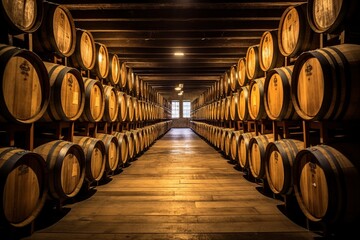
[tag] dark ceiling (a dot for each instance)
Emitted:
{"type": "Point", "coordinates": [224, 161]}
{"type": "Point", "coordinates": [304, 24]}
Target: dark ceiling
{"type": "Point", "coordinates": [145, 34]}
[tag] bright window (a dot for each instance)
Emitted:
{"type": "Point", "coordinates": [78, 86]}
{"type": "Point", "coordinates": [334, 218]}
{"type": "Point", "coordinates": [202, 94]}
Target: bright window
{"type": "Point", "coordinates": [186, 109]}
{"type": "Point", "coordinates": [175, 109]}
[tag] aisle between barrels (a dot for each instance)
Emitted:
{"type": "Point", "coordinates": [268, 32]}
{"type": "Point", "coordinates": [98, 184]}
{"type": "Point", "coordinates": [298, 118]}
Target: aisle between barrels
{"type": "Point", "coordinates": [181, 188]}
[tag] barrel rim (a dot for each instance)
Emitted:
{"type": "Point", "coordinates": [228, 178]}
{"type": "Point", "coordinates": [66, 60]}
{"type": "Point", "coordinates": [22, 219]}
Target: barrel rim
{"type": "Point", "coordinates": [14, 29]}
{"type": "Point", "coordinates": [9, 165]}
{"type": "Point", "coordinates": [42, 73]}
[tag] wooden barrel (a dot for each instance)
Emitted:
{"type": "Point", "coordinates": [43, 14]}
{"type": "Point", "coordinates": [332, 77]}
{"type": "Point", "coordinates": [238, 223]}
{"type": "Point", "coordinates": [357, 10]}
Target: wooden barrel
{"type": "Point", "coordinates": [66, 165]}
{"type": "Point", "coordinates": [227, 108]}
{"type": "Point", "coordinates": [227, 142]}
{"type": "Point", "coordinates": [226, 80]}
{"type": "Point", "coordinates": [23, 186]}
{"type": "Point", "coordinates": [325, 83]}
{"type": "Point", "coordinates": [94, 101]}
{"type": "Point", "coordinates": [140, 141]}
{"type": "Point", "coordinates": [23, 16]}
{"type": "Point", "coordinates": [234, 144]}
{"type": "Point", "coordinates": [326, 184]}
{"type": "Point", "coordinates": [137, 142]}
{"type": "Point", "coordinates": [114, 69]}
{"type": "Point", "coordinates": [141, 90]}
{"type": "Point", "coordinates": [130, 79]}
{"type": "Point", "coordinates": [67, 99]}
{"type": "Point", "coordinates": [23, 76]}
{"type": "Point", "coordinates": [131, 144]}
{"type": "Point", "coordinates": [256, 104]}
{"type": "Point", "coordinates": [136, 109]}
{"type": "Point", "coordinates": [279, 160]}
{"type": "Point", "coordinates": [111, 150]}
{"type": "Point", "coordinates": [243, 145]}
{"type": "Point", "coordinates": [145, 138]}
{"type": "Point", "coordinates": [130, 108]}
{"type": "Point", "coordinates": [122, 103]}
{"type": "Point", "coordinates": [102, 61]}
{"type": "Point", "coordinates": [234, 114]}
{"type": "Point", "coordinates": [222, 109]}
{"type": "Point", "coordinates": [138, 88]}
{"type": "Point", "coordinates": [95, 154]}
{"type": "Point", "coordinates": [252, 63]}
{"type": "Point", "coordinates": [123, 75]}
{"type": "Point", "coordinates": [241, 71]}
{"type": "Point", "coordinates": [141, 110]}
{"type": "Point", "coordinates": [234, 82]}
{"type": "Point", "coordinates": [333, 16]}
{"type": "Point", "coordinates": [269, 54]}
{"type": "Point", "coordinates": [242, 106]}
{"type": "Point", "coordinates": [85, 52]}
{"type": "Point", "coordinates": [123, 148]}
{"type": "Point", "coordinates": [277, 94]}
{"type": "Point", "coordinates": [111, 104]}
{"type": "Point", "coordinates": [57, 33]}
{"type": "Point", "coordinates": [294, 33]}
{"type": "Point", "coordinates": [257, 147]}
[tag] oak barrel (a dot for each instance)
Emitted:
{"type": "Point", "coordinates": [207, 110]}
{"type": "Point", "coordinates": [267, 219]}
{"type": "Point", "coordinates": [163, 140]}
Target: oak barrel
{"type": "Point", "coordinates": [279, 160]}
{"type": "Point", "coordinates": [234, 113]}
{"type": "Point", "coordinates": [277, 94]}
{"type": "Point", "coordinates": [325, 85]}
{"type": "Point", "coordinates": [243, 145]}
{"type": "Point", "coordinates": [234, 144]}
{"type": "Point", "coordinates": [252, 63]}
{"type": "Point", "coordinates": [102, 61]}
{"type": "Point", "coordinates": [23, 186]}
{"type": "Point", "coordinates": [111, 104]}
{"type": "Point", "coordinates": [227, 142]}
{"type": "Point", "coordinates": [122, 103]}
{"type": "Point", "coordinates": [226, 80]}
{"type": "Point", "coordinates": [65, 162]}
{"type": "Point", "coordinates": [227, 108]}
{"type": "Point", "coordinates": [57, 33]}
{"type": "Point", "coordinates": [269, 54]}
{"type": "Point", "coordinates": [111, 150]}
{"type": "Point", "coordinates": [67, 100]}
{"type": "Point", "coordinates": [327, 183]}
{"type": "Point", "coordinates": [130, 79]}
{"type": "Point", "coordinates": [123, 75]}
{"type": "Point", "coordinates": [294, 33]}
{"type": "Point", "coordinates": [23, 76]}
{"type": "Point", "coordinates": [130, 108]}
{"type": "Point", "coordinates": [24, 16]}
{"type": "Point", "coordinates": [333, 16]}
{"type": "Point", "coordinates": [84, 56]}
{"type": "Point", "coordinates": [114, 69]}
{"type": "Point", "coordinates": [242, 106]}
{"type": "Point", "coordinates": [234, 82]}
{"type": "Point", "coordinates": [256, 105]}
{"type": "Point", "coordinates": [131, 144]}
{"type": "Point", "coordinates": [241, 71]}
{"type": "Point", "coordinates": [94, 101]}
{"type": "Point", "coordinates": [123, 148]}
{"type": "Point", "coordinates": [95, 154]}
{"type": "Point", "coordinates": [257, 147]}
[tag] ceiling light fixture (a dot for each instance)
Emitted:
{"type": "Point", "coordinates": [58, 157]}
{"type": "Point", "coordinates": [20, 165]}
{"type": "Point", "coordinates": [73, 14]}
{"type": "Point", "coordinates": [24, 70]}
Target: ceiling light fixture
{"type": "Point", "coordinates": [179, 54]}
{"type": "Point", "coordinates": [181, 93]}
{"type": "Point", "coordinates": [178, 88]}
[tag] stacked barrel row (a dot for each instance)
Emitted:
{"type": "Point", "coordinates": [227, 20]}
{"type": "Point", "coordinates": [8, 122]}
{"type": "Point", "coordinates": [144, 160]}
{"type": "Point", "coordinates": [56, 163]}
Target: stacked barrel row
{"type": "Point", "coordinates": [291, 77]}
{"type": "Point", "coordinates": [87, 86]}
{"type": "Point", "coordinates": [55, 92]}
{"type": "Point", "coordinates": [57, 170]}
{"type": "Point", "coordinates": [323, 178]}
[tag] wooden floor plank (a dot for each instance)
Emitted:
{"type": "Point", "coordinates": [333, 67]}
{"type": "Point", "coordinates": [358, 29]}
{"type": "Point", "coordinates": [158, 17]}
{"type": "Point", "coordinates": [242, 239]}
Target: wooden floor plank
{"type": "Point", "coordinates": [180, 188]}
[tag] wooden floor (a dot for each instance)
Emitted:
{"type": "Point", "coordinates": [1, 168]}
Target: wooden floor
{"type": "Point", "coordinates": [181, 188]}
